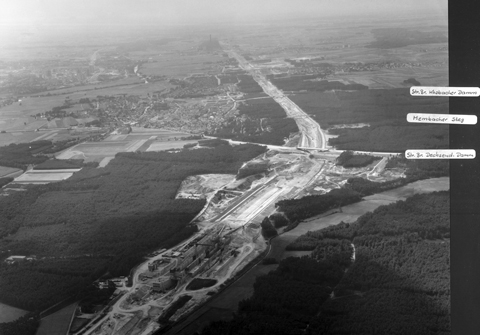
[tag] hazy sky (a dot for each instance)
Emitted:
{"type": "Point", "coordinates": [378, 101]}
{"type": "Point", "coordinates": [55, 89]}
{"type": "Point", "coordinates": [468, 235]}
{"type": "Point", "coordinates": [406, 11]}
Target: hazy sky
{"type": "Point", "coordinates": [119, 12]}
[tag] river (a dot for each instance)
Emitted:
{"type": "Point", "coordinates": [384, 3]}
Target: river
{"type": "Point", "coordinates": [351, 212]}
{"type": "Point", "coordinates": [225, 303]}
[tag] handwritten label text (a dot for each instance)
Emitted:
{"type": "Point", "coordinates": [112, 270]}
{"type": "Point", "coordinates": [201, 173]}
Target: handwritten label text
{"type": "Point", "coordinates": [444, 91]}
{"type": "Point", "coordinates": [441, 118]}
{"type": "Point", "coordinates": [440, 154]}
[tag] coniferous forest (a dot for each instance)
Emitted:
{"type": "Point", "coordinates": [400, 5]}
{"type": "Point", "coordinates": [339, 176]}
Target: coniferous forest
{"type": "Point", "coordinates": [259, 121]}
{"type": "Point", "coordinates": [102, 221]}
{"type": "Point", "coordinates": [386, 273]}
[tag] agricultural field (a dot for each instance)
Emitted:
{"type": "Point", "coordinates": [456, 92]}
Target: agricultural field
{"type": "Point", "coordinates": [162, 145]}
{"type": "Point", "coordinates": [174, 65]}
{"type": "Point", "coordinates": [19, 125]}
{"type": "Point", "coordinates": [351, 52]}
{"type": "Point", "coordinates": [394, 78]}
{"type": "Point", "coordinates": [30, 106]}
{"type": "Point", "coordinates": [96, 151]}
{"type": "Point", "coordinates": [142, 139]}
{"type": "Point", "coordinates": [44, 176]}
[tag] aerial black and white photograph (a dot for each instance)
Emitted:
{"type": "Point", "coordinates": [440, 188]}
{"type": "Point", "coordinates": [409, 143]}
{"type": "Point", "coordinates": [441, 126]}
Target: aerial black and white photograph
{"type": "Point", "coordinates": [216, 167]}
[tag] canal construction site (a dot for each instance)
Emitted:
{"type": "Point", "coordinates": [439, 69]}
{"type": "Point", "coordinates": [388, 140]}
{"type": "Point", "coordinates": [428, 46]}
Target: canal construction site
{"type": "Point", "coordinates": [171, 283]}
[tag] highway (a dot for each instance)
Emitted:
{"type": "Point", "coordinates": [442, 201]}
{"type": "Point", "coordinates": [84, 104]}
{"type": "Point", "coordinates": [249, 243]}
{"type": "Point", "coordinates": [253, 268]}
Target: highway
{"type": "Point", "coordinates": [251, 203]}
{"type": "Point", "coordinates": [312, 135]}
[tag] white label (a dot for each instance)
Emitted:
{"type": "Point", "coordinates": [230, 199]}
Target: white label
{"type": "Point", "coordinates": [440, 154]}
{"type": "Point", "coordinates": [441, 118]}
{"type": "Point", "coordinates": [427, 91]}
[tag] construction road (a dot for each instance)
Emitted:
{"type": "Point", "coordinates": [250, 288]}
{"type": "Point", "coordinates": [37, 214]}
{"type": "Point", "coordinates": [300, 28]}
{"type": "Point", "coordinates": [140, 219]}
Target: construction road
{"type": "Point", "coordinates": [312, 135]}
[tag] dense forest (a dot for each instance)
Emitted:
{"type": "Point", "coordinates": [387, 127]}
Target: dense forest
{"type": "Point", "coordinates": [102, 220]}
{"type": "Point", "coordinates": [401, 271]}
{"type": "Point", "coordinates": [349, 159]}
{"type": "Point", "coordinates": [26, 325]}
{"type": "Point", "coordinates": [284, 300]}
{"type": "Point", "coordinates": [247, 84]}
{"type": "Point", "coordinates": [299, 83]}
{"type": "Point", "coordinates": [259, 121]}
{"type": "Point", "coordinates": [21, 155]}
{"type": "Point", "coordinates": [5, 180]}
{"type": "Point", "coordinates": [53, 164]}
{"type": "Point", "coordinates": [391, 138]}
{"type": "Point", "coordinates": [268, 230]}
{"type": "Point", "coordinates": [383, 112]}
{"type": "Point", "coordinates": [299, 209]}
{"type": "Point", "coordinates": [397, 282]}
{"type": "Point", "coordinates": [419, 169]}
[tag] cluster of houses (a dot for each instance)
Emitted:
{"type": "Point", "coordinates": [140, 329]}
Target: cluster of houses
{"type": "Point", "coordinates": [19, 259]}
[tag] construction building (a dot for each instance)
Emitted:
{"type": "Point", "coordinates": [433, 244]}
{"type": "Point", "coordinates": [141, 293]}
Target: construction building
{"type": "Point", "coordinates": [163, 284]}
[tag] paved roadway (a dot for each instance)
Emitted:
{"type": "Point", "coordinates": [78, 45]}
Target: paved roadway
{"type": "Point", "coordinates": [312, 135]}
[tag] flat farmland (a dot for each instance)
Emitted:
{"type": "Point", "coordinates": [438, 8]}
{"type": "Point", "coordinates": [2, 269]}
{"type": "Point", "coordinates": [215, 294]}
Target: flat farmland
{"type": "Point", "coordinates": [393, 78]}
{"type": "Point", "coordinates": [21, 123]}
{"type": "Point", "coordinates": [44, 176]}
{"type": "Point", "coordinates": [143, 139]}
{"type": "Point", "coordinates": [17, 137]}
{"type": "Point", "coordinates": [95, 151]}
{"type": "Point", "coordinates": [129, 86]}
{"type": "Point", "coordinates": [13, 117]}
{"type": "Point", "coordinates": [181, 65]}
{"type": "Point", "coordinates": [31, 106]}
{"type": "Point", "coordinates": [22, 130]}
{"type": "Point", "coordinates": [165, 145]}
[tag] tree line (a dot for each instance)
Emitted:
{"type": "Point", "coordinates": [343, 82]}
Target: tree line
{"type": "Point", "coordinates": [115, 215]}
{"type": "Point", "coordinates": [398, 282]}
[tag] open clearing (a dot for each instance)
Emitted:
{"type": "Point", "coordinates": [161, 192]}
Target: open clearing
{"type": "Point", "coordinates": [9, 172]}
{"type": "Point", "coordinates": [9, 313]}
{"type": "Point", "coordinates": [393, 78]}
{"type": "Point", "coordinates": [44, 176]}
{"type": "Point", "coordinates": [142, 139]}
{"type": "Point", "coordinates": [31, 106]}
{"type": "Point", "coordinates": [201, 185]}
{"type": "Point", "coordinates": [57, 323]}
{"type": "Point", "coordinates": [159, 146]}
